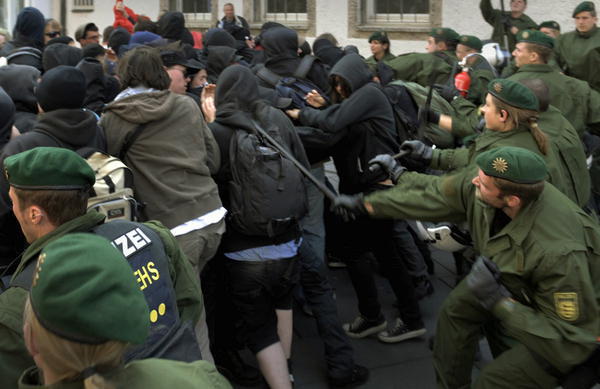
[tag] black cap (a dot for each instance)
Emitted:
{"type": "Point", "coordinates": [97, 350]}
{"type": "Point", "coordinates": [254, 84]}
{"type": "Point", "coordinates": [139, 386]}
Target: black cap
{"type": "Point", "coordinates": [61, 87]}
{"type": "Point", "coordinates": [173, 57]}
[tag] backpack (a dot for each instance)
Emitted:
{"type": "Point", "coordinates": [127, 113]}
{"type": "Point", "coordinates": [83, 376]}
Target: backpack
{"type": "Point", "coordinates": [267, 193]}
{"type": "Point", "coordinates": [294, 88]}
{"type": "Point", "coordinates": [405, 112]}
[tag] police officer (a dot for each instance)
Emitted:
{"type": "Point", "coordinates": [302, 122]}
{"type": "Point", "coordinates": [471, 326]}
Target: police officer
{"type": "Point", "coordinates": [577, 51]}
{"type": "Point", "coordinates": [507, 22]}
{"type": "Point", "coordinates": [550, 28]}
{"type": "Point", "coordinates": [380, 49]}
{"type": "Point", "coordinates": [535, 290]}
{"type": "Point", "coordinates": [83, 310]}
{"type": "Point", "coordinates": [49, 191]}
{"type": "Point", "coordinates": [480, 71]}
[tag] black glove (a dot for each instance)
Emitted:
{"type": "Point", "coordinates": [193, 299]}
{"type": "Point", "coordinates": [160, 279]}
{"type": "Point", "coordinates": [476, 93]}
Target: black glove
{"type": "Point", "coordinates": [389, 165]}
{"type": "Point", "coordinates": [484, 282]}
{"type": "Point", "coordinates": [447, 91]}
{"type": "Point", "coordinates": [417, 151]}
{"type": "Point", "coordinates": [349, 207]}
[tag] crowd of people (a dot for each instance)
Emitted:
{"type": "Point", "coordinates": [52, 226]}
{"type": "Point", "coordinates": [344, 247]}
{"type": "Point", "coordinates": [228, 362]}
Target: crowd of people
{"type": "Point", "coordinates": [218, 142]}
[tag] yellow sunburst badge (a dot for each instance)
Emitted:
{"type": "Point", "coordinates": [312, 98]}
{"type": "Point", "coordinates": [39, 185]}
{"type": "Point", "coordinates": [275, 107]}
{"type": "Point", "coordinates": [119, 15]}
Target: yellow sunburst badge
{"type": "Point", "coordinates": [439, 31]}
{"type": "Point", "coordinates": [525, 35]}
{"type": "Point", "coordinates": [464, 39]}
{"type": "Point", "coordinates": [500, 165]}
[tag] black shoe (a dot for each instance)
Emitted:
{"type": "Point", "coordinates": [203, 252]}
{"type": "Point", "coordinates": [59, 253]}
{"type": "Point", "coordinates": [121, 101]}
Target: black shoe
{"type": "Point", "coordinates": [230, 365]}
{"type": "Point", "coordinates": [357, 376]}
{"type": "Point", "coordinates": [361, 327]}
{"type": "Point", "coordinates": [401, 332]}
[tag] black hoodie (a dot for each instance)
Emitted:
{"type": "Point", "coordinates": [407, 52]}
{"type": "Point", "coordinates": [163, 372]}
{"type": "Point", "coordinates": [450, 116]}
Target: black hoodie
{"type": "Point", "coordinates": [60, 54]}
{"type": "Point", "coordinates": [7, 117]}
{"type": "Point", "coordinates": [171, 26]}
{"type": "Point", "coordinates": [327, 52]}
{"type": "Point", "coordinates": [100, 87]}
{"type": "Point", "coordinates": [217, 59]}
{"type": "Point", "coordinates": [238, 102]}
{"type": "Point", "coordinates": [19, 82]}
{"type": "Point", "coordinates": [362, 126]}
{"type": "Point", "coordinates": [281, 57]}
{"type": "Point", "coordinates": [28, 31]}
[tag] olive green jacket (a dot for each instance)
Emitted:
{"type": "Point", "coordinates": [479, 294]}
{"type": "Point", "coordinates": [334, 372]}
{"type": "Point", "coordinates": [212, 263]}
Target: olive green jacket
{"type": "Point", "coordinates": [480, 78]}
{"type": "Point", "coordinates": [579, 55]}
{"type": "Point", "coordinates": [453, 159]}
{"type": "Point", "coordinates": [418, 67]}
{"type": "Point", "coordinates": [145, 374]}
{"type": "Point", "coordinates": [14, 357]}
{"type": "Point", "coordinates": [466, 117]}
{"type": "Point", "coordinates": [574, 98]}
{"type": "Point", "coordinates": [372, 62]}
{"type": "Point", "coordinates": [495, 18]}
{"type": "Point", "coordinates": [549, 257]}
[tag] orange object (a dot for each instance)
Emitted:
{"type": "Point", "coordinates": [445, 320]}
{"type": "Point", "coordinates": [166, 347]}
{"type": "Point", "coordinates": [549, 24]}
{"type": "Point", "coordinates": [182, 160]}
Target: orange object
{"type": "Point", "coordinates": [462, 82]}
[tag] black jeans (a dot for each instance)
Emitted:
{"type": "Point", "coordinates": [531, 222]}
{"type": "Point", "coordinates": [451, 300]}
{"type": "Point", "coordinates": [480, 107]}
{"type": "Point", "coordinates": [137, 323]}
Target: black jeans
{"type": "Point", "coordinates": [369, 235]}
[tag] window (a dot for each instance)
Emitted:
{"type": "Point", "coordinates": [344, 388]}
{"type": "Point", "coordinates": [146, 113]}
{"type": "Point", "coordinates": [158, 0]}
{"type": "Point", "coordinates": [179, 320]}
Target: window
{"type": "Point", "coordinates": [9, 10]}
{"type": "Point", "coordinates": [83, 5]}
{"type": "Point", "coordinates": [284, 11]}
{"type": "Point", "coordinates": [395, 11]}
{"type": "Point", "coordinates": [196, 12]}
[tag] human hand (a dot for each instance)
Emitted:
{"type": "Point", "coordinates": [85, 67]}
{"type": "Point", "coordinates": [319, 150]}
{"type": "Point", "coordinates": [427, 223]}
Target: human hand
{"type": "Point", "coordinates": [293, 113]}
{"type": "Point", "coordinates": [314, 99]}
{"type": "Point", "coordinates": [349, 207]}
{"type": "Point", "coordinates": [417, 151]}
{"type": "Point", "coordinates": [209, 110]}
{"type": "Point", "coordinates": [447, 91]}
{"type": "Point", "coordinates": [389, 165]}
{"type": "Point", "coordinates": [484, 282]}
{"type": "Point", "coordinates": [208, 91]}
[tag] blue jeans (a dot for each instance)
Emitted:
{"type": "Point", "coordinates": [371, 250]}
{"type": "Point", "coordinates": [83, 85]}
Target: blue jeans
{"type": "Point", "coordinates": [317, 290]}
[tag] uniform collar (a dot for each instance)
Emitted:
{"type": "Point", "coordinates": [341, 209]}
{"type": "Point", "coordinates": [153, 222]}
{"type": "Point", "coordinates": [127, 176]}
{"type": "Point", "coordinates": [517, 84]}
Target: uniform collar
{"type": "Point", "coordinates": [586, 35]}
{"type": "Point", "coordinates": [537, 68]}
{"type": "Point", "coordinates": [490, 137]}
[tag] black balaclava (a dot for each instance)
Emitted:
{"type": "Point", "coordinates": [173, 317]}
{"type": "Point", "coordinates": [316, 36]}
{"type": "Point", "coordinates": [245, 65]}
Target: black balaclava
{"type": "Point", "coordinates": [61, 87]}
{"type": "Point", "coordinates": [60, 54]}
{"type": "Point", "coordinates": [29, 28]}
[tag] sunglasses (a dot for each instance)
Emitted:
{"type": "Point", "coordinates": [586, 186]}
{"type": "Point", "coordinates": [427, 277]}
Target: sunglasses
{"type": "Point", "coordinates": [53, 34]}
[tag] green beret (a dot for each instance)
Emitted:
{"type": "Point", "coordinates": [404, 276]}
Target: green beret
{"type": "Point", "coordinates": [514, 164]}
{"type": "Point", "coordinates": [470, 41]}
{"type": "Point", "coordinates": [380, 36]}
{"type": "Point", "coordinates": [583, 7]}
{"type": "Point", "coordinates": [50, 168]}
{"type": "Point", "coordinates": [514, 93]}
{"type": "Point", "coordinates": [550, 24]}
{"type": "Point", "coordinates": [536, 37]}
{"type": "Point", "coordinates": [84, 290]}
{"type": "Point", "coordinates": [444, 34]}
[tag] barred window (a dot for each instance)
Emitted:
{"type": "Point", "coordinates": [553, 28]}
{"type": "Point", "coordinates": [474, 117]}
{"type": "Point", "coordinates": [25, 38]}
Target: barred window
{"type": "Point", "coordinates": [281, 10]}
{"type": "Point", "coordinates": [193, 10]}
{"type": "Point", "coordinates": [83, 5]}
{"type": "Point", "coordinates": [395, 11]}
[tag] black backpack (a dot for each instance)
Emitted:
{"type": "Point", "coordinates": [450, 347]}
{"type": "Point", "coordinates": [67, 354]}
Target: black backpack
{"type": "Point", "coordinates": [405, 112]}
{"type": "Point", "coordinates": [267, 192]}
{"type": "Point", "coordinates": [294, 88]}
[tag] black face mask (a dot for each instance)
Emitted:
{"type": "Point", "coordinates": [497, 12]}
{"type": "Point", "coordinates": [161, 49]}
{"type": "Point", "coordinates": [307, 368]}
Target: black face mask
{"type": "Point", "coordinates": [196, 91]}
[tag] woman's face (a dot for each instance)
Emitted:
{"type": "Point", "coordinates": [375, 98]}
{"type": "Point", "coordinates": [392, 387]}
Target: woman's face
{"type": "Point", "coordinates": [50, 32]}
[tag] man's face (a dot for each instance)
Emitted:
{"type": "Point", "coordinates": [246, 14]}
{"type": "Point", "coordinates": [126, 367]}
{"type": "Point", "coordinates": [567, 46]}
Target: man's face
{"type": "Point", "coordinates": [179, 79]}
{"type": "Point", "coordinates": [377, 48]}
{"type": "Point", "coordinates": [26, 226]}
{"type": "Point", "coordinates": [491, 115]}
{"type": "Point", "coordinates": [518, 6]}
{"type": "Point", "coordinates": [432, 47]}
{"type": "Point", "coordinates": [584, 21]}
{"type": "Point", "coordinates": [462, 51]}
{"type": "Point", "coordinates": [229, 11]}
{"type": "Point", "coordinates": [487, 191]}
{"type": "Point", "coordinates": [89, 38]}
{"type": "Point", "coordinates": [523, 56]}
{"type": "Point", "coordinates": [552, 33]}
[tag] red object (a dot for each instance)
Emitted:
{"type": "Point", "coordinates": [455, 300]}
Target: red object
{"type": "Point", "coordinates": [123, 21]}
{"type": "Point", "coordinates": [462, 82]}
{"type": "Point", "coordinates": [197, 39]}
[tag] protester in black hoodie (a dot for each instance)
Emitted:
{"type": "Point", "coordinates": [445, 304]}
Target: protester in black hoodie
{"type": "Point", "coordinates": [171, 26]}
{"type": "Point", "coordinates": [61, 124]}
{"type": "Point", "coordinates": [28, 31]}
{"type": "Point", "coordinates": [19, 82]}
{"type": "Point", "coordinates": [281, 57]}
{"type": "Point", "coordinates": [7, 118]}
{"type": "Point", "coordinates": [60, 54]}
{"type": "Point", "coordinates": [327, 51]}
{"type": "Point", "coordinates": [361, 125]}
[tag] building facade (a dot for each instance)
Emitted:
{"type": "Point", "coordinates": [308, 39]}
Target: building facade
{"type": "Point", "coordinates": [350, 21]}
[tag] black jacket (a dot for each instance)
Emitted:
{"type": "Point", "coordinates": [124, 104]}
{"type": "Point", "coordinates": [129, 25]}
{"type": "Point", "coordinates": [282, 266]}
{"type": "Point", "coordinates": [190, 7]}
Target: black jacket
{"type": "Point", "coordinates": [69, 128]}
{"type": "Point", "coordinates": [101, 88]}
{"type": "Point", "coordinates": [237, 103]}
{"type": "Point", "coordinates": [281, 55]}
{"type": "Point", "coordinates": [19, 82]}
{"type": "Point", "coordinates": [359, 128]}
{"type": "Point", "coordinates": [7, 117]}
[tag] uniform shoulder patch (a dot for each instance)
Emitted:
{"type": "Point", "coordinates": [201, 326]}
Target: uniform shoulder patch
{"type": "Point", "coordinates": [566, 305]}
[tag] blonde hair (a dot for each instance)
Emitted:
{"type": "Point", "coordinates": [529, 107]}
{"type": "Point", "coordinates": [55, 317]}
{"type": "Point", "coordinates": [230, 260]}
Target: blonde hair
{"type": "Point", "coordinates": [516, 116]}
{"type": "Point", "coordinates": [69, 359]}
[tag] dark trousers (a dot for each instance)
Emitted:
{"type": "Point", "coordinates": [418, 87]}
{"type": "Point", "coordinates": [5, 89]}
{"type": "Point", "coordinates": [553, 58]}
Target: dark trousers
{"type": "Point", "coordinates": [369, 235]}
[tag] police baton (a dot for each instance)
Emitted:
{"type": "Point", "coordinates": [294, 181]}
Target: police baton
{"type": "Point", "coordinates": [320, 185]}
{"type": "Point", "coordinates": [506, 25]}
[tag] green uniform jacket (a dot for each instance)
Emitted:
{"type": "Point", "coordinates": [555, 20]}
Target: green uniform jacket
{"type": "Point", "coordinates": [453, 159]}
{"type": "Point", "coordinates": [571, 156]}
{"type": "Point", "coordinates": [495, 18]}
{"type": "Point", "coordinates": [372, 62]}
{"type": "Point", "coordinates": [579, 55]}
{"type": "Point", "coordinates": [14, 357]}
{"type": "Point", "coordinates": [480, 78]}
{"type": "Point", "coordinates": [417, 67]}
{"type": "Point", "coordinates": [465, 117]}
{"type": "Point", "coordinates": [549, 257]}
{"type": "Point", "coordinates": [574, 98]}
{"type": "Point", "coordinates": [145, 374]}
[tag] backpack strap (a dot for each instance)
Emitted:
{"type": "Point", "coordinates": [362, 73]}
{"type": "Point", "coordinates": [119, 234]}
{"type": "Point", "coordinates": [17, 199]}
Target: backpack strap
{"type": "Point", "coordinates": [267, 75]}
{"type": "Point", "coordinates": [130, 140]}
{"type": "Point", "coordinates": [25, 278]}
{"type": "Point", "coordinates": [305, 64]}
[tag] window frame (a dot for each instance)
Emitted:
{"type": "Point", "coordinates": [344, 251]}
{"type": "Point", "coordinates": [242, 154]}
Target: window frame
{"type": "Point", "coordinates": [195, 20]}
{"type": "Point", "coordinates": [79, 7]}
{"type": "Point", "coordinates": [257, 15]}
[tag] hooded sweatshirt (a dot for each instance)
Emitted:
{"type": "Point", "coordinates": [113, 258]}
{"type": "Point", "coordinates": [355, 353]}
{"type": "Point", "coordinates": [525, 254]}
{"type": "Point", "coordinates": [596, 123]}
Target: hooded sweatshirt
{"type": "Point", "coordinates": [217, 59]}
{"type": "Point", "coordinates": [60, 54]}
{"type": "Point", "coordinates": [7, 117]}
{"type": "Point", "coordinates": [327, 52]}
{"type": "Point", "coordinates": [28, 31]}
{"type": "Point", "coordinates": [361, 126]}
{"type": "Point", "coordinates": [172, 26]}
{"type": "Point", "coordinates": [19, 82]}
{"type": "Point", "coordinates": [100, 87]}
{"type": "Point", "coordinates": [235, 111]}
{"type": "Point", "coordinates": [172, 157]}
{"type": "Point", "coordinates": [281, 55]}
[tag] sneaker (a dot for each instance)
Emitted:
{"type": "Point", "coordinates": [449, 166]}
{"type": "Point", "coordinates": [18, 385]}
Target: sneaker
{"type": "Point", "coordinates": [358, 376]}
{"type": "Point", "coordinates": [401, 332]}
{"type": "Point", "coordinates": [362, 327]}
